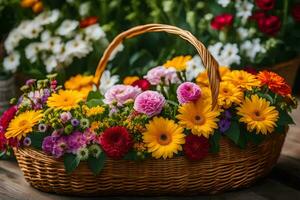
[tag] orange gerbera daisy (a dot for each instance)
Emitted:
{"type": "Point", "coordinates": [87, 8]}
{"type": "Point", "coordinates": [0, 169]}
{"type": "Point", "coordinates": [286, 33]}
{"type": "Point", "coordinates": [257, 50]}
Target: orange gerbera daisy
{"type": "Point", "coordinates": [274, 82]}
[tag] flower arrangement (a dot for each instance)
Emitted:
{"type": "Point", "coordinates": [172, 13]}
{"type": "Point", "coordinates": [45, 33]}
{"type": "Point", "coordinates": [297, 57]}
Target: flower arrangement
{"type": "Point", "coordinates": [51, 42]}
{"type": "Point", "coordinates": [160, 115]}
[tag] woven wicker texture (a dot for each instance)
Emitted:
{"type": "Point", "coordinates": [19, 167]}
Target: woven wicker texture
{"type": "Point", "coordinates": [230, 169]}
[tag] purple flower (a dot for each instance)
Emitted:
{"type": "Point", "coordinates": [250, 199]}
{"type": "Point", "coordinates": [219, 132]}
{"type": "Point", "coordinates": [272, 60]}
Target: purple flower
{"type": "Point", "coordinates": [75, 122]}
{"type": "Point", "coordinates": [224, 125]}
{"type": "Point", "coordinates": [149, 102]}
{"type": "Point", "coordinates": [187, 92]}
{"type": "Point", "coordinates": [89, 135]}
{"type": "Point", "coordinates": [27, 141]}
{"type": "Point", "coordinates": [75, 141]}
{"type": "Point", "coordinates": [57, 133]}
{"type": "Point", "coordinates": [65, 117]}
{"type": "Point", "coordinates": [59, 147]}
{"type": "Point", "coordinates": [159, 74]}
{"type": "Point", "coordinates": [45, 96]}
{"type": "Point", "coordinates": [227, 114]}
{"type": "Point", "coordinates": [30, 82]}
{"type": "Point", "coordinates": [42, 128]}
{"type": "Point", "coordinates": [48, 144]}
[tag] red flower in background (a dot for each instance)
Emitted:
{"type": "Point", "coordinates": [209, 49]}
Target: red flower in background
{"type": "Point", "coordinates": [195, 147]}
{"type": "Point", "coordinates": [296, 12]}
{"type": "Point", "coordinates": [221, 21]}
{"type": "Point", "coordinates": [250, 70]}
{"type": "Point", "coordinates": [116, 142]}
{"type": "Point", "coordinates": [270, 25]}
{"type": "Point", "coordinates": [258, 15]}
{"type": "Point", "coordinates": [265, 4]}
{"type": "Point", "coordinates": [142, 83]}
{"type": "Point", "coordinates": [88, 21]}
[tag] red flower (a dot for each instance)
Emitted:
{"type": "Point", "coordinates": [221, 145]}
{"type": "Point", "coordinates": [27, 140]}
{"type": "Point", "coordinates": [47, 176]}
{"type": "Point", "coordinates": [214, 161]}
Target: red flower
{"type": "Point", "coordinates": [250, 70]}
{"type": "Point", "coordinates": [265, 4]}
{"type": "Point", "coordinates": [220, 21]}
{"type": "Point", "coordinates": [3, 142]}
{"type": "Point", "coordinates": [88, 21]}
{"type": "Point", "coordinates": [142, 83]}
{"type": "Point", "coordinates": [284, 90]}
{"type": "Point", "coordinates": [258, 15]}
{"type": "Point", "coordinates": [195, 147]}
{"type": "Point", "coordinates": [7, 116]}
{"type": "Point", "coordinates": [296, 12]}
{"type": "Point", "coordinates": [270, 25]}
{"type": "Point", "coordinates": [116, 142]}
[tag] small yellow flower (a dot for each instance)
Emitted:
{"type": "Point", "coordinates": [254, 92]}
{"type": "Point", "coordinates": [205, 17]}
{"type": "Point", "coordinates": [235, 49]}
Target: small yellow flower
{"type": "Point", "coordinates": [229, 94]}
{"type": "Point", "coordinates": [179, 62]}
{"type": "Point", "coordinates": [202, 78]}
{"type": "Point", "coordinates": [97, 110]}
{"type": "Point", "coordinates": [23, 124]}
{"type": "Point", "coordinates": [65, 100]}
{"type": "Point", "coordinates": [95, 125]}
{"type": "Point", "coordinates": [242, 79]}
{"type": "Point", "coordinates": [163, 138]}
{"type": "Point", "coordinates": [257, 113]}
{"type": "Point", "coordinates": [128, 80]}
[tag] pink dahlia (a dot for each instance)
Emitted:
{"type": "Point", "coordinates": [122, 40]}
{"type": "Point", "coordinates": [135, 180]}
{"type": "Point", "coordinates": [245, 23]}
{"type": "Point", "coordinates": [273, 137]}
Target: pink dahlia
{"type": "Point", "coordinates": [149, 103]}
{"type": "Point", "coordinates": [158, 74]}
{"type": "Point", "coordinates": [120, 94]}
{"type": "Point", "coordinates": [187, 92]}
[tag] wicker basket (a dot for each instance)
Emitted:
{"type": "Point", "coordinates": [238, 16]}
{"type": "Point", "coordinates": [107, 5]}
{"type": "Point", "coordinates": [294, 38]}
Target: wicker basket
{"type": "Point", "coordinates": [231, 168]}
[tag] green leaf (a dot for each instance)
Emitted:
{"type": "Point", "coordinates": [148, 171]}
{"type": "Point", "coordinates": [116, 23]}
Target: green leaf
{"type": "Point", "coordinates": [71, 162]}
{"type": "Point", "coordinates": [37, 139]}
{"type": "Point", "coordinates": [255, 138]}
{"type": "Point", "coordinates": [214, 141]}
{"type": "Point", "coordinates": [233, 133]}
{"type": "Point", "coordinates": [280, 129]}
{"type": "Point", "coordinates": [266, 96]}
{"type": "Point", "coordinates": [242, 140]}
{"type": "Point", "coordinates": [94, 95]}
{"type": "Point", "coordinates": [284, 118]}
{"type": "Point", "coordinates": [97, 164]}
{"type": "Point", "coordinates": [94, 102]}
{"type": "Point", "coordinates": [131, 155]}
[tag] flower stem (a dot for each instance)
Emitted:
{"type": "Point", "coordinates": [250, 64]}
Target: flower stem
{"type": "Point", "coordinates": [285, 14]}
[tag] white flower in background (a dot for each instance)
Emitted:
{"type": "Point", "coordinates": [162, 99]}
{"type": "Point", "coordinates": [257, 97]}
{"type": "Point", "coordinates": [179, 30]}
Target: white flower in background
{"type": "Point", "coordinates": [243, 33]}
{"type": "Point", "coordinates": [47, 17]}
{"type": "Point", "coordinates": [78, 48]}
{"type": "Point", "coordinates": [194, 68]}
{"type": "Point", "coordinates": [12, 61]}
{"type": "Point", "coordinates": [107, 81]}
{"type": "Point", "coordinates": [53, 44]}
{"type": "Point", "coordinates": [223, 3]}
{"type": "Point", "coordinates": [244, 9]}
{"type": "Point", "coordinates": [12, 41]}
{"type": "Point", "coordinates": [30, 29]}
{"type": "Point", "coordinates": [50, 63]}
{"type": "Point", "coordinates": [252, 48]}
{"type": "Point", "coordinates": [45, 35]}
{"type": "Point", "coordinates": [225, 55]}
{"type": "Point", "coordinates": [94, 32]}
{"type": "Point", "coordinates": [31, 51]}
{"type": "Point", "coordinates": [84, 8]}
{"type": "Point", "coordinates": [118, 49]}
{"type": "Point", "coordinates": [64, 58]}
{"type": "Point", "coordinates": [67, 27]}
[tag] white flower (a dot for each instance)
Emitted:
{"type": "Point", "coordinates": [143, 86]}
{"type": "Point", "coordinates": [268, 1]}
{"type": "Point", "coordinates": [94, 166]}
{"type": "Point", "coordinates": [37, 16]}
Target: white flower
{"type": "Point", "coordinates": [94, 32]}
{"type": "Point", "coordinates": [12, 41]}
{"type": "Point", "coordinates": [45, 35]}
{"type": "Point", "coordinates": [30, 29]}
{"type": "Point", "coordinates": [11, 62]}
{"type": "Point", "coordinates": [51, 63]}
{"type": "Point", "coordinates": [47, 17]}
{"type": "Point", "coordinates": [78, 48]}
{"type": "Point", "coordinates": [84, 8]}
{"type": "Point", "coordinates": [244, 9]}
{"type": "Point", "coordinates": [252, 48]}
{"type": "Point", "coordinates": [243, 33]}
{"type": "Point", "coordinates": [194, 68]}
{"type": "Point", "coordinates": [107, 81]}
{"type": "Point", "coordinates": [223, 3]}
{"type": "Point", "coordinates": [119, 48]}
{"type": "Point", "coordinates": [225, 55]}
{"type": "Point", "coordinates": [53, 44]}
{"type": "Point", "coordinates": [215, 49]}
{"type": "Point", "coordinates": [67, 27]}
{"type": "Point", "coordinates": [31, 51]}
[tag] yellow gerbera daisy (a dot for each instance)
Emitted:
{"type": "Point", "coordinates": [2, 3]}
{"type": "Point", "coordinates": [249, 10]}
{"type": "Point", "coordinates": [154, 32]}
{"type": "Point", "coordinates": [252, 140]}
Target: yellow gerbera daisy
{"type": "Point", "coordinates": [65, 100]}
{"type": "Point", "coordinates": [163, 137]}
{"type": "Point", "coordinates": [198, 117]}
{"type": "Point", "coordinates": [202, 78]}
{"type": "Point", "coordinates": [23, 124]}
{"type": "Point", "coordinates": [229, 94]}
{"type": "Point", "coordinates": [97, 110]}
{"type": "Point", "coordinates": [128, 80]}
{"type": "Point", "coordinates": [78, 81]}
{"type": "Point", "coordinates": [205, 94]}
{"type": "Point", "coordinates": [257, 113]}
{"type": "Point", "coordinates": [242, 79]}
{"type": "Point", "coordinates": [179, 62]}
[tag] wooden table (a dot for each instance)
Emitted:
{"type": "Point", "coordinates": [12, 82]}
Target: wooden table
{"type": "Point", "coordinates": [282, 183]}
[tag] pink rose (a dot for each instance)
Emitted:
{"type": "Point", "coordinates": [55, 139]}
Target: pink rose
{"type": "Point", "coordinates": [149, 103]}
{"type": "Point", "coordinates": [187, 92]}
{"type": "Point", "coordinates": [120, 94]}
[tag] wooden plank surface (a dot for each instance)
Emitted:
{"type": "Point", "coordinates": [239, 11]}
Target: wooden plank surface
{"type": "Point", "coordinates": [282, 183]}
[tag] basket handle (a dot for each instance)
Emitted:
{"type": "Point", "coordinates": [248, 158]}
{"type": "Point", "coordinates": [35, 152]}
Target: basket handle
{"type": "Point", "coordinates": [208, 60]}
